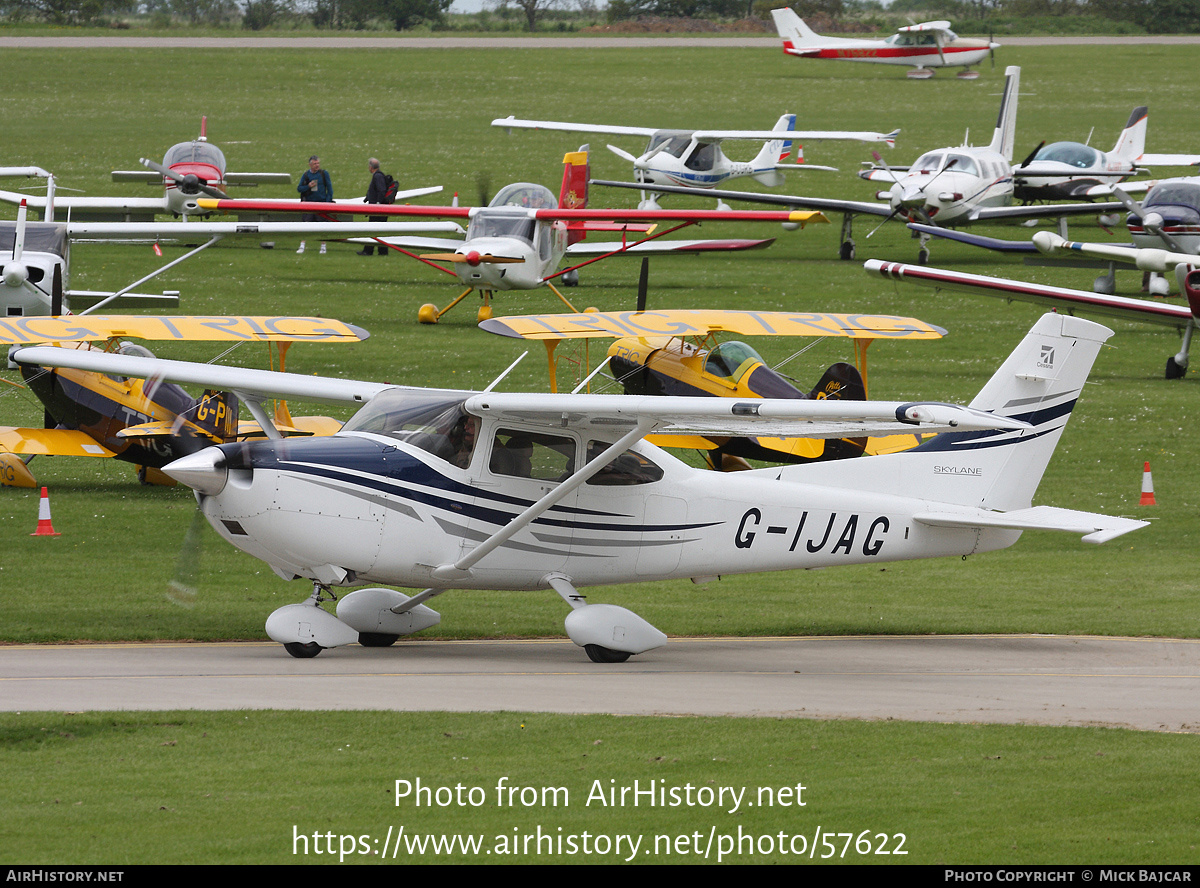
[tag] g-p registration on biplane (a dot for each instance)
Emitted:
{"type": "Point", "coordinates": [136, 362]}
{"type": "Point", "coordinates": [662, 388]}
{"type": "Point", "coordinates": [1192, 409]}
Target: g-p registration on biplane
{"type": "Point", "coordinates": [678, 352]}
{"type": "Point", "coordinates": [148, 423]}
{"type": "Point", "coordinates": [436, 489]}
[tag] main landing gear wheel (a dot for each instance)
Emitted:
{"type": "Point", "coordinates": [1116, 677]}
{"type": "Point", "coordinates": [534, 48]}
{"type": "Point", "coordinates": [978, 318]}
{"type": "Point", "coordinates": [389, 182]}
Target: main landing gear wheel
{"type": "Point", "coordinates": [1174, 371]}
{"type": "Point", "coordinates": [923, 256]}
{"type": "Point", "coordinates": [428, 314]}
{"type": "Point", "coordinates": [847, 251]}
{"type": "Point", "coordinates": [598, 654]}
{"type": "Point", "coordinates": [302, 651]}
{"type": "Point", "coordinates": [376, 639]}
{"type": "Point", "coordinates": [485, 313]}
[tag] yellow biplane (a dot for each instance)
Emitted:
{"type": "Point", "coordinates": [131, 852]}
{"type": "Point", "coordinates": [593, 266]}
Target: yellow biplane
{"type": "Point", "coordinates": [678, 352]}
{"type": "Point", "coordinates": [149, 423]}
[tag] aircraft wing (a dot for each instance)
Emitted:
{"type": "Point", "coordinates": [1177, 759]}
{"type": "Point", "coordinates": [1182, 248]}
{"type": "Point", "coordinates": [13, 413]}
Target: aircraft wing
{"type": "Point", "coordinates": [83, 231]}
{"type": "Point", "coordinates": [510, 123]}
{"type": "Point", "coordinates": [414, 243]}
{"type": "Point", "coordinates": [333, 208]}
{"type": "Point", "coordinates": [1044, 211]}
{"type": "Point", "coordinates": [247, 383]}
{"type": "Point", "coordinates": [803, 135]}
{"type": "Point", "coordinates": [603, 248]}
{"type": "Point", "coordinates": [50, 442]}
{"type": "Point", "coordinates": [1169, 160]}
{"type": "Point", "coordinates": [1140, 310]}
{"type": "Point", "coordinates": [783, 418]}
{"type": "Point", "coordinates": [822, 204]}
{"type": "Point", "coordinates": [115, 204]}
{"type": "Point", "coordinates": [85, 328]}
{"type": "Point", "coordinates": [700, 323]}
{"type": "Point", "coordinates": [976, 240]}
{"type": "Point", "coordinates": [258, 178]}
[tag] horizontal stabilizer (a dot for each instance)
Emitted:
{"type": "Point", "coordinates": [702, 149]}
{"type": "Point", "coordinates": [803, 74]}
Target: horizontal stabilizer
{"type": "Point", "coordinates": [1094, 527]}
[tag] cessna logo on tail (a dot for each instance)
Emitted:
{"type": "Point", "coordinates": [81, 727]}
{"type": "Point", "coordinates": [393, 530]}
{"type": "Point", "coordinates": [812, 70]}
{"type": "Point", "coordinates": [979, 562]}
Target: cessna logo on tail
{"type": "Point", "coordinates": [1047, 358]}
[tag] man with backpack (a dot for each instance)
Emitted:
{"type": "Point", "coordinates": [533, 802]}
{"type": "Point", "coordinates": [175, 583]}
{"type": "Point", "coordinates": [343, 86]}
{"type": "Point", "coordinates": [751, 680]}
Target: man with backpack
{"type": "Point", "coordinates": [382, 190]}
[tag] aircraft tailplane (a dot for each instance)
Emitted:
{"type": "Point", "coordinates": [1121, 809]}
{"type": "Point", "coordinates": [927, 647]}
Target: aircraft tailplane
{"type": "Point", "coordinates": [1132, 142]}
{"type": "Point", "coordinates": [774, 152]}
{"type": "Point", "coordinates": [792, 28]}
{"type": "Point", "coordinates": [1006, 122]}
{"type": "Point", "coordinates": [1038, 383]}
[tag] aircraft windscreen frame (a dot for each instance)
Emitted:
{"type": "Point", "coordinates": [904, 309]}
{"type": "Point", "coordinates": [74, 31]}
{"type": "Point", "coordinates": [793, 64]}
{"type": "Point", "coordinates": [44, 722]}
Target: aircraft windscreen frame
{"type": "Point", "coordinates": [426, 420]}
{"type": "Point", "coordinates": [1072, 154]}
{"type": "Point", "coordinates": [195, 152]}
{"type": "Point", "coordinates": [502, 225]}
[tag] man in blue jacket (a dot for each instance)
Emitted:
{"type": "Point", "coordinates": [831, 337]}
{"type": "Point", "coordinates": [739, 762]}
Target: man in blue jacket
{"type": "Point", "coordinates": [315, 185]}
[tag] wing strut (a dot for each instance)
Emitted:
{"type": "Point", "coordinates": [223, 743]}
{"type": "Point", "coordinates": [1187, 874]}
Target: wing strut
{"type": "Point", "coordinates": [500, 537]}
{"type": "Point", "coordinates": [171, 264]}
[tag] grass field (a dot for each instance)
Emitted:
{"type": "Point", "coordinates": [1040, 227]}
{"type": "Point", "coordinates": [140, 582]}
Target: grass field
{"type": "Point", "coordinates": [425, 113]}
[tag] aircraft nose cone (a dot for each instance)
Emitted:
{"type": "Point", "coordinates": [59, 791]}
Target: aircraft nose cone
{"type": "Point", "coordinates": [15, 274]}
{"type": "Point", "coordinates": [473, 258]}
{"type": "Point", "coordinates": [205, 471]}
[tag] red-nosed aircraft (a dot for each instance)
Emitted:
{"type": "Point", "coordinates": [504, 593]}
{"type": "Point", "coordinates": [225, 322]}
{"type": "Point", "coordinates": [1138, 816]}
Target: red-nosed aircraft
{"type": "Point", "coordinates": [520, 238]}
{"type": "Point", "coordinates": [922, 47]}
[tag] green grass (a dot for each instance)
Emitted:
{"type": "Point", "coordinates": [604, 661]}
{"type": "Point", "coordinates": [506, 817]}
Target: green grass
{"type": "Point", "coordinates": [190, 787]}
{"type": "Point", "coordinates": [426, 114]}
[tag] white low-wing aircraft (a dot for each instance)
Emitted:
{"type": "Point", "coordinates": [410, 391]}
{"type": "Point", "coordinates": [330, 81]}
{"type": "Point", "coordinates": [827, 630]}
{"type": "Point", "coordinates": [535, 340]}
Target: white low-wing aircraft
{"type": "Point", "coordinates": [944, 188]}
{"type": "Point", "coordinates": [439, 490]}
{"type": "Point", "coordinates": [1076, 171]}
{"type": "Point", "coordinates": [1143, 311]}
{"type": "Point", "coordinates": [518, 241]}
{"type": "Point", "coordinates": [694, 157]}
{"type": "Point", "coordinates": [922, 46]}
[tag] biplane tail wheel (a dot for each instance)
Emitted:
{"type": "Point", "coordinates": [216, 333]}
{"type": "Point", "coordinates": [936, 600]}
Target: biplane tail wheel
{"type": "Point", "coordinates": [428, 314]}
{"type": "Point", "coordinates": [302, 651]}
{"type": "Point", "coordinates": [599, 654]}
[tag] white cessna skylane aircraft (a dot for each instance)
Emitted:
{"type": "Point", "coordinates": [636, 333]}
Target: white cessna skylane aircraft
{"type": "Point", "coordinates": [922, 47]}
{"type": "Point", "coordinates": [438, 489]}
{"type": "Point", "coordinates": [694, 157]}
{"type": "Point", "coordinates": [943, 188]}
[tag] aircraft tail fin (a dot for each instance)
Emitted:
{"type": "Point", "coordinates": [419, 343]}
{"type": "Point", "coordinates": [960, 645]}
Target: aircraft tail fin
{"type": "Point", "coordinates": [1131, 144]}
{"type": "Point", "coordinates": [841, 382]}
{"type": "Point", "coordinates": [1006, 122]}
{"type": "Point", "coordinates": [574, 192]}
{"type": "Point", "coordinates": [792, 29]}
{"type": "Point", "coordinates": [774, 152]}
{"type": "Point", "coordinates": [215, 415]}
{"type": "Point", "coordinates": [1038, 383]}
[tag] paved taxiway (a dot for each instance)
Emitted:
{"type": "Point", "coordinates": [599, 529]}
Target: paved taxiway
{"type": "Point", "coordinates": [1149, 684]}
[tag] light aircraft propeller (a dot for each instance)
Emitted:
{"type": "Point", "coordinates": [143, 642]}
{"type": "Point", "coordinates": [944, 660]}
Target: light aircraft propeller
{"type": "Point", "coordinates": [189, 184]}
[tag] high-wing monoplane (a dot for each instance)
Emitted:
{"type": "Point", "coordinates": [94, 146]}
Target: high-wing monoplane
{"type": "Point", "coordinates": [943, 188]}
{"type": "Point", "coordinates": [922, 47]}
{"type": "Point", "coordinates": [518, 241]}
{"type": "Point", "coordinates": [680, 353]}
{"type": "Point", "coordinates": [1181, 318]}
{"type": "Point", "coordinates": [694, 157]}
{"type": "Point", "coordinates": [439, 490]}
{"type": "Point", "coordinates": [188, 172]}
{"type": "Point", "coordinates": [153, 423]}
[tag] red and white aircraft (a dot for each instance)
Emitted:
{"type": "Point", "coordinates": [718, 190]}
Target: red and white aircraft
{"type": "Point", "coordinates": [518, 241]}
{"type": "Point", "coordinates": [923, 47]}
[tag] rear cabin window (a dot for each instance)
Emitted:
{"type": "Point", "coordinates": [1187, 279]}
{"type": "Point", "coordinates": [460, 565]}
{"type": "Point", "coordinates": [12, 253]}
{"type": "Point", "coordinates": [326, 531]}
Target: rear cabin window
{"type": "Point", "coordinates": [628, 468]}
{"type": "Point", "coordinates": [533, 455]}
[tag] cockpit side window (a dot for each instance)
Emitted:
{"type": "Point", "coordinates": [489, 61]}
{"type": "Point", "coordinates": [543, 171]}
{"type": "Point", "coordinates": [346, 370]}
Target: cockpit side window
{"type": "Point", "coordinates": [533, 455]}
{"type": "Point", "coordinates": [627, 469]}
{"type": "Point", "coordinates": [702, 158]}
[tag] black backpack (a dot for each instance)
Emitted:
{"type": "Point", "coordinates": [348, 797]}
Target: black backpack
{"type": "Point", "coordinates": [390, 189]}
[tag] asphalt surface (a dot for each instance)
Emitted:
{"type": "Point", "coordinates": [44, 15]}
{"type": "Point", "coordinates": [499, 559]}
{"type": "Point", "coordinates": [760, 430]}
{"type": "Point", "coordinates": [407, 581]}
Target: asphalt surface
{"type": "Point", "coordinates": [1142, 683]}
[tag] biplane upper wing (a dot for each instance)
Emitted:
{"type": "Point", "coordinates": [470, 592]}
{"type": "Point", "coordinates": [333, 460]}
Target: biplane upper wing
{"type": "Point", "coordinates": [701, 323]}
{"type": "Point", "coordinates": [83, 328]}
{"type": "Point", "coordinates": [1141, 310]}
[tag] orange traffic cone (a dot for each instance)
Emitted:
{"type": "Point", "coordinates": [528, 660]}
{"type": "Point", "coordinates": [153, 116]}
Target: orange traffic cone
{"type": "Point", "coordinates": [44, 528]}
{"type": "Point", "coordinates": [1147, 487]}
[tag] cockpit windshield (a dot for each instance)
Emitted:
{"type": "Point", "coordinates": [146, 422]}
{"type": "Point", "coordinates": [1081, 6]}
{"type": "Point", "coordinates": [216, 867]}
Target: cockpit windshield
{"type": "Point", "coordinates": [676, 143]}
{"type": "Point", "coordinates": [434, 421]}
{"type": "Point", "coordinates": [730, 360]}
{"type": "Point", "coordinates": [962, 163]}
{"type": "Point", "coordinates": [501, 224]}
{"type": "Point", "coordinates": [927, 163]}
{"type": "Point", "coordinates": [526, 196]}
{"type": "Point", "coordinates": [195, 152]}
{"type": "Point", "coordinates": [1071, 154]}
{"type": "Point", "coordinates": [1178, 194]}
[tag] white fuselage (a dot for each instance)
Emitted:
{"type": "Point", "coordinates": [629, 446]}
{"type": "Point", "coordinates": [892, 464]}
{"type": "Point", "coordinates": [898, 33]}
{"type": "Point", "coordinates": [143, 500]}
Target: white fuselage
{"type": "Point", "coordinates": [363, 507]}
{"type": "Point", "coordinates": [945, 186]}
{"type": "Point", "coordinates": [508, 234]}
